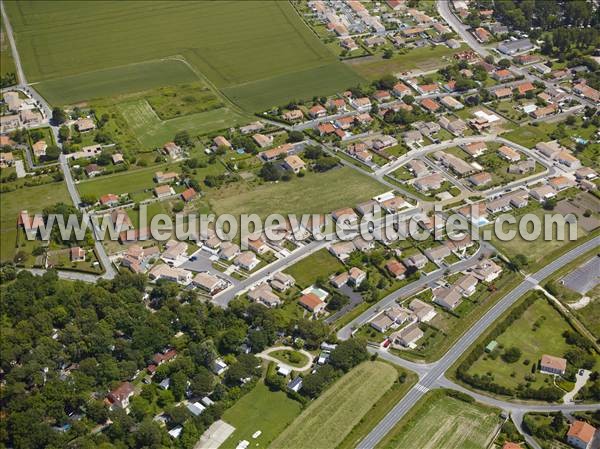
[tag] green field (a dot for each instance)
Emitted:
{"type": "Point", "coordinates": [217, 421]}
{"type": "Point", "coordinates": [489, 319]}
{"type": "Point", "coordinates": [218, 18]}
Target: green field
{"type": "Point", "coordinates": [34, 200]}
{"type": "Point", "coordinates": [231, 43]}
{"type": "Point", "coordinates": [292, 358]}
{"type": "Point", "coordinates": [537, 332]}
{"type": "Point", "coordinates": [261, 409]}
{"type": "Point", "coordinates": [7, 64]}
{"type": "Point", "coordinates": [320, 264]}
{"type": "Point", "coordinates": [439, 421]}
{"type": "Point", "coordinates": [115, 81]}
{"type": "Point", "coordinates": [326, 421]}
{"type": "Point", "coordinates": [314, 193]}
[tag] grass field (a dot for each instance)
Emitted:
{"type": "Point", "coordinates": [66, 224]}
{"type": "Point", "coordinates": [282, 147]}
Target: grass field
{"type": "Point", "coordinates": [115, 81]}
{"type": "Point", "coordinates": [439, 421]}
{"type": "Point", "coordinates": [292, 358]}
{"type": "Point", "coordinates": [7, 64]}
{"type": "Point", "coordinates": [538, 331]}
{"type": "Point", "coordinates": [34, 199]}
{"type": "Point", "coordinates": [231, 43]}
{"type": "Point", "coordinates": [321, 263]}
{"type": "Point", "coordinates": [261, 409]}
{"type": "Point", "coordinates": [314, 193]}
{"type": "Point", "coordinates": [326, 422]}
{"type": "Point", "coordinates": [423, 59]}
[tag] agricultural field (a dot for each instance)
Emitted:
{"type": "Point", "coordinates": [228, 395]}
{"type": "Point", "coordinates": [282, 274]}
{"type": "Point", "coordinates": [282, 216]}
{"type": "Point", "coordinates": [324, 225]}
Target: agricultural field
{"type": "Point", "coordinates": [7, 64]}
{"type": "Point", "coordinates": [261, 409]}
{"type": "Point", "coordinates": [439, 421]}
{"type": "Point", "coordinates": [327, 421]}
{"type": "Point", "coordinates": [35, 199]}
{"type": "Point", "coordinates": [319, 264]}
{"type": "Point", "coordinates": [313, 193]}
{"type": "Point", "coordinates": [230, 43]}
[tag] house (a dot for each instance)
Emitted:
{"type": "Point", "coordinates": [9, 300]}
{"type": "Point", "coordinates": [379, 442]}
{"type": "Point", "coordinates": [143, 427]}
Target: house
{"type": "Point", "coordinates": [109, 199]}
{"type": "Point", "coordinates": [356, 276]}
{"type": "Point", "coordinates": [312, 303]}
{"type": "Point", "coordinates": [487, 270]}
{"type": "Point", "coordinates": [92, 170]}
{"type": "Point", "coordinates": [294, 164]}
{"type": "Point", "coordinates": [221, 141]}
{"type": "Point", "coordinates": [542, 193]}
{"type": "Point", "coordinates": [433, 181]}
{"type": "Point", "coordinates": [553, 365]}
{"type": "Point", "coordinates": [219, 367]}
{"type": "Point", "coordinates": [382, 96]}
{"type": "Point", "coordinates": [395, 5]}
{"type": "Point", "coordinates": [466, 285]}
{"type": "Point", "coordinates": [501, 204]}
{"type": "Point", "coordinates": [325, 129]}
{"type": "Point", "coordinates": [6, 141]}
{"type": "Point", "coordinates": [263, 141]}
{"type": "Point", "coordinates": [295, 384]}
{"type": "Point", "coordinates": [407, 336]}
{"type": "Point", "coordinates": [293, 115]}
{"type": "Point", "coordinates": [274, 153]}
{"type": "Point", "coordinates": [437, 254]}
{"type": "Point", "coordinates": [394, 204]}
{"type": "Point", "coordinates": [209, 282]}
{"type": "Point", "coordinates": [502, 75]}
{"type": "Point", "coordinates": [522, 167]}
{"type": "Point", "coordinates": [346, 214]}
{"type": "Point", "coordinates": [586, 173]}
{"type": "Point", "coordinates": [163, 191]}
{"type": "Point", "coordinates": [518, 199]}
{"type": "Point", "coordinates": [188, 195]}
{"type": "Point", "coordinates": [172, 274]}
{"type": "Point", "coordinates": [381, 322]}
{"type": "Point", "coordinates": [398, 314]}
{"type": "Point", "coordinates": [400, 89]}
{"type": "Point", "coordinates": [317, 111]}
{"type": "Point", "coordinates": [412, 137]}
{"type": "Point", "coordinates": [480, 179]}
{"type": "Point", "coordinates": [363, 119]}
{"type": "Point", "coordinates": [342, 250]}
{"type": "Point", "coordinates": [580, 434]}
{"type": "Point", "coordinates": [77, 254]}
{"type": "Point", "coordinates": [85, 124]}
{"type": "Point", "coordinates": [165, 178]}
{"type": "Point", "coordinates": [475, 149]}
{"type": "Point", "coordinates": [417, 167]}
{"type": "Point", "coordinates": [228, 251]}
{"type": "Point", "coordinates": [117, 158]}
{"type": "Point", "coordinates": [430, 105]}
{"type": "Point", "coordinates": [174, 250]}
{"type": "Point", "coordinates": [195, 408]}
{"type": "Point", "coordinates": [508, 154]}
{"type": "Point", "coordinates": [162, 357]}
{"type": "Point", "coordinates": [247, 260]}
{"type": "Point", "coordinates": [12, 101]}
{"type": "Point", "coordinates": [503, 92]}
{"type": "Point", "coordinates": [453, 44]}
{"type": "Point", "coordinates": [424, 312]}
{"type": "Point", "coordinates": [427, 128]}
{"type": "Point", "coordinates": [340, 280]}
{"type": "Point", "coordinates": [367, 208]}
{"type": "Point", "coordinates": [39, 148]}
{"type": "Point", "coordinates": [336, 104]}
{"type": "Point", "coordinates": [447, 297]}
{"type": "Point", "coordinates": [513, 47]}
{"type": "Point", "coordinates": [265, 296]}
{"type": "Point", "coordinates": [8, 122]}
{"type": "Point", "coordinates": [451, 103]}
{"type": "Point", "coordinates": [252, 128]}
{"type": "Point", "coordinates": [119, 397]}
{"type": "Point", "coordinates": [362, 104]}
{"type": "Point", "coordinates": [561, 183]}
{"type": "Point", "coordinates": [456, 164]}
{"type": "Point", "coordinates": [396, 269]}
{"type": "Point", "coordinates": [586, 91]}
{"type": "Point", "coordinates": [567, 158]}
{"type": "Point", "coordinates": [456, 127]}
{"type": "Point", "coordinates": [6, 159]}
{"type": "Point", "coordinates": [525, 87]}
{"type": "Point", "coordinates": [172, 150]}
{"type": "Point", "coordinates": [544, 111]}
{"type": "Point", "coordinates": [482, 35]}
{"type": "Point", "coordinates": [417, 260]}
{"type": "Point", "coordinates": [282, 282]}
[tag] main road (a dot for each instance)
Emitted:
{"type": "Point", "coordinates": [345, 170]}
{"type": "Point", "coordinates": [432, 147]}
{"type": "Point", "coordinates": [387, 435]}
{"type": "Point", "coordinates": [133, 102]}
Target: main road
{"type": "Point", "coordinates": [432, 376]}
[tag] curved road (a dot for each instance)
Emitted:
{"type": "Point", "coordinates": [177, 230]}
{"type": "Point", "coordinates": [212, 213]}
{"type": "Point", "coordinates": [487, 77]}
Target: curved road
{"type": "Point", "coordinates": [309, 357]}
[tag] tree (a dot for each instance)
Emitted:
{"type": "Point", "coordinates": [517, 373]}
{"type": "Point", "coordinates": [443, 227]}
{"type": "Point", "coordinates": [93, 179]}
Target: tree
{"type": "Point", "coordinates": [183, 139]}
{"type": "Point", "coordinates": [203, 382]}
{"type": "Point", "coordinates": [63, 133]}
{"type": "Point", "coordinates": [59, 116]}
{"type": "Point", "coordinates": [511, 355]}
{"type": "Point", "coordinates": [504, 63]}
{"type": "Point", "coordinates": [325, 163]}
{"type": "Point", "coordinates": [408, 99]}
{"type": "Point", "coordinates": [295, 136]}
{"type": "Point", "coordinates": [388, 53]}
{"type": "Point", "coordinates": [52, 152]}
{"type": "Point", "coordinates": [348, 354]}
{"type": "Point", "coordinates": [270, 172]}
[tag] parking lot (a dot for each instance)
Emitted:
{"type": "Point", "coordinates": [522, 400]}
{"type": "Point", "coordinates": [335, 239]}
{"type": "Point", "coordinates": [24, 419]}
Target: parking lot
{"type": "Point", "coordinates": [584, 278]}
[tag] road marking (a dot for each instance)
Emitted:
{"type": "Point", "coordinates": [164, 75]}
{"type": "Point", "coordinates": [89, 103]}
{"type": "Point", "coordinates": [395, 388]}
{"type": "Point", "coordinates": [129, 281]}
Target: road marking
{"type": "Point", "coordinates": [422, 388]}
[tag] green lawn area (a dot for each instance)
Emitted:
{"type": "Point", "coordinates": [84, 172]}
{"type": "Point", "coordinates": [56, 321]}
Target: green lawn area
{"type": "Point", "coordinates": [439, 421]}
{"type": "Point", "coordinates": [423, 59]}
{"type": "Point", "coordinates": [538, 331]}
{"type": "Point", "coordinates": [34, 200]}
{"type": "Point", "coordinates": [115, 81]}
{"type": "Point", "coordinates": [327, 420]}
{"type": "Point", "coordinates": [6, 60]}
{"type": "Point", "coordinates": [230, 43]}
{"type": "Point", "coordinates": [292, 358]}
{"type": "Point", "coordinates": [320, 264]}
{"type": "Point", "coordinates": [313, 193]}
{"type": "Point", "coordinates": [261, 409]}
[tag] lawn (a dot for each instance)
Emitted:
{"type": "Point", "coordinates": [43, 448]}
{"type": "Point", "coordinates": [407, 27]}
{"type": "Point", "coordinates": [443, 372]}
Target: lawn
{"type": "Point", "coordinates": [6, 60]}
{"type": "Point", "coordinates": [319, 264]}
{"type": "Point", "coordinates": [314, 193]}
{"type": "Point", "coordinates": [34, 200]}
{"type": "Point", "coordinates": [327, 421]}
{"type": "Point", "coordinates": [115, 81]}
{"type": "Point", "coordinates": [261, 409]}
{"type": "Point", "coordinates": [538, 331]}
{"type": "Point", "coordinates": [292, 358]}
{"type": "Point", "coordinates": [230, 43]}
{"type": "Point", "coordinates": [423, 59]}
{"type": "Point", "coordinates": [439, 421]}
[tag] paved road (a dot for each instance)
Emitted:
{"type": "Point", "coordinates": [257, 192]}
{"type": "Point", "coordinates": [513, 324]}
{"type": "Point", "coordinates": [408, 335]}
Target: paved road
{"type": "Point", "coordinates": [13, 46]}
{"type": "Point", "coordinates": [443, 7]}
{"type": "Point", "coordinates": [435, 373]}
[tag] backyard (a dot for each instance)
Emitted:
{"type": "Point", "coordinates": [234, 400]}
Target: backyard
{"type": "Point", "coordinates": [320, 264]}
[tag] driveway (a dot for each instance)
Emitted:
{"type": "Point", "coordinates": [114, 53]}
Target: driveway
{"type": "Point", "coordinates": [579, 383]}
{"type": "Point", "coordinates": [265, 355]}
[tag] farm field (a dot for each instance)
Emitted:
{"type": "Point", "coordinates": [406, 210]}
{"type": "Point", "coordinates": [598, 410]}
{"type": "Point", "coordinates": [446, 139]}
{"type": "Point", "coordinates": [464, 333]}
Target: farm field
{"type": "Point", "coordinates": [326, 421]}
{"type": "Point", "coordinates": [538, 331]}
{"type": "Point", "coordinates": [314, 193]}
{"type": "Point", "coordinates": [424, 59]}
{"type": "Point", "coordinates": [6, 60]}
{"type": "Point", "coordinates": [36, 199]}
{"type": "Point", "coordinates": [322, 263]}
{"type": "Point", "coordinates": [261, 409]}
{"type": "Point", "coordinates": [439, 421]}
{"type": "Point", "coordinates": [216, 38]}
{"type": "Point", "coordinates": [115, 81]}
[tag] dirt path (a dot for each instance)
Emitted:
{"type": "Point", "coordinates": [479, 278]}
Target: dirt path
{"type": "Point", "coordinates": [265, 355]}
